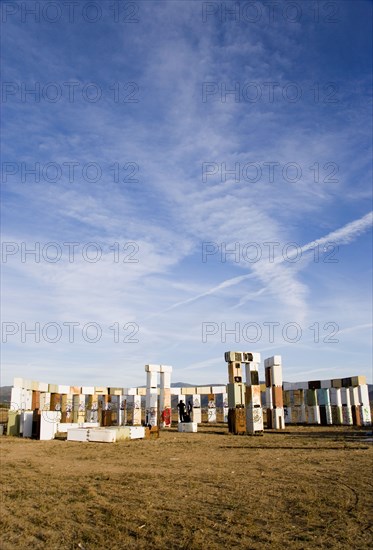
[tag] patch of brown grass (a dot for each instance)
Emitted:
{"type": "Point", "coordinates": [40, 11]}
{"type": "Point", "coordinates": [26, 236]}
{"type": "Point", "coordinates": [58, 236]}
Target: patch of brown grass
{"type": "Point", "coordinates": [305, 488]}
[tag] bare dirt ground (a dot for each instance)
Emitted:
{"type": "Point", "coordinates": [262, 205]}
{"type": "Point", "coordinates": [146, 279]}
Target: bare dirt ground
{"type": "Point", "coordinates": [307, 487]}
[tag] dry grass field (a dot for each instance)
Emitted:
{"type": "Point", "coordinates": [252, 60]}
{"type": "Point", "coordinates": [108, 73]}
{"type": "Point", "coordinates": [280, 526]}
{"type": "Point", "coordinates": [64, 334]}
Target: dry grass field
{"type": "Point", "coordinates": [308, 487]}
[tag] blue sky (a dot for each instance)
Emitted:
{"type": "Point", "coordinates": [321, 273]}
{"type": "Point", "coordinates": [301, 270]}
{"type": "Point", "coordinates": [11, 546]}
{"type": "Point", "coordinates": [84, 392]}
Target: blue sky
{"type": "Point", "coordinates": [170, 124]}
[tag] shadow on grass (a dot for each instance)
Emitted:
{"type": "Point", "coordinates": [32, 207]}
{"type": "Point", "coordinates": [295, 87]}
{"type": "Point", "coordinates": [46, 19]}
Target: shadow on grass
{"type": "Point", "coordinates": [293, 447]}
{"type": "Point", "coordinates": [323, 434]}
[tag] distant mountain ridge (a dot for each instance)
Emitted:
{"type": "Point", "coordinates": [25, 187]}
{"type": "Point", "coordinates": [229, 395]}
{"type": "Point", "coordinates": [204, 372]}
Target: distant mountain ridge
{"type": "Point", "coordinates": [5, 393]}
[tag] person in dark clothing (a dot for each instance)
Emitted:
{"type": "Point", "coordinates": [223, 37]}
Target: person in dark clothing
{"type": "Point", "coordinates": [181, 407]}
{"type": "Point", "coordinates": [190, 407]}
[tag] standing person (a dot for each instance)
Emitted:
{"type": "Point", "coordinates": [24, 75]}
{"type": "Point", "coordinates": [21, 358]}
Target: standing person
{"type": "Point", "coordinates": [190, 408]}
{"type": "Point", "coordinates": [181, 407]}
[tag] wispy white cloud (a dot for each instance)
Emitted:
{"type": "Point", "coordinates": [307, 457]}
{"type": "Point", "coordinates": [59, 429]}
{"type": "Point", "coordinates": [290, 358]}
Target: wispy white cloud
{"type": "Point", "coordinates": [171, 211]}
{"type": "Point", "coordinates": [343, 235]}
